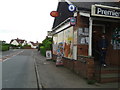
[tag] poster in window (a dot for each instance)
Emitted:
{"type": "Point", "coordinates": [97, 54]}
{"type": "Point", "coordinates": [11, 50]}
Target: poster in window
{"type": "Point", "coordinates": [87, 40]}
{"type": "Point", "coordinates": [55, 47]}
{"type": "Point", "coordinates": [60, 54]}
{"type": "Point", "coordinates": [80, 31]}
{"type": "Point", "coordinates": [68, 39]}
{"type": "Point", "coordinates": [86, 31]}
{"type": "Point", "coordinates": [83, 40]}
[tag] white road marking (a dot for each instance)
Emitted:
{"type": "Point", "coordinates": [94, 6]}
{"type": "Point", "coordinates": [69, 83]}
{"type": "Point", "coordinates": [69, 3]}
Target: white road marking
{"type": "Point", "coordinates": [12, 56]}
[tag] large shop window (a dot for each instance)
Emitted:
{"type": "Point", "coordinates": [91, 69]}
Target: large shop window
{"type": "Point", "coordinates": [63, 42]}
{"type": "Point", "coordinates": [68, 40]}
{"type": "Point", "coordinates": [55, 44]}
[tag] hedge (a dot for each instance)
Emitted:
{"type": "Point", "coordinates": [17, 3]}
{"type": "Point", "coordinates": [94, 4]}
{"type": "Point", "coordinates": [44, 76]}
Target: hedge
{"type": "Point", "coordinates": [43, 50]}
{"type": "Point", "coordinates": [4, 47]}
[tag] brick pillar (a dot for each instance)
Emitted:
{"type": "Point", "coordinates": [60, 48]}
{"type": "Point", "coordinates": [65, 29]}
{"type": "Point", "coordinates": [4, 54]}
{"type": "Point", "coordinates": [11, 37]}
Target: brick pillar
{"type": "Point", "coordinates": [90, 68]}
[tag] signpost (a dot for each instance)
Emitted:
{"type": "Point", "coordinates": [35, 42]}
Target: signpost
{"type": "Point", "coordinates": [71, 8]}
{"type": "Point", "coordinates": [72, 21]}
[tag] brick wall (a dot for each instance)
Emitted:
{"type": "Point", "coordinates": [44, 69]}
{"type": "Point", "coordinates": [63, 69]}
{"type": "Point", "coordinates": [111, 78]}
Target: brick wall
{"type": "Point", "coordinates": [84, 69]}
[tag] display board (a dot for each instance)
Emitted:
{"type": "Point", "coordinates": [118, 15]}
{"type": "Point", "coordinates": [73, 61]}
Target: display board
{"type": "Point", "coordinates": [48, 54]}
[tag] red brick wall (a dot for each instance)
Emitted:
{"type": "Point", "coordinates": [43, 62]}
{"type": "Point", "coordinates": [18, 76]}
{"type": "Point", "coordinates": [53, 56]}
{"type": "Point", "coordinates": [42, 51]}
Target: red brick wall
{"type": "Point", "coordinates": [85, 70]}
{"type": "Point", "coordinates": [68, 63]}
{"type": "Point", "coordinates": [83, 50]}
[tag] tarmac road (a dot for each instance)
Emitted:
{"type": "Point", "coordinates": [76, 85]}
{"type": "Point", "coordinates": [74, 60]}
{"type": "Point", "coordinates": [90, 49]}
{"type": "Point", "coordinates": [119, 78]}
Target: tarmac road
{"type": "Point", "coordinates": [18, 71]}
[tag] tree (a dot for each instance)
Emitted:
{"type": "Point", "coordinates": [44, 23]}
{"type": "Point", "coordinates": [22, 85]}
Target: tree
{"type": "Point", "coordinates": [46, 45]}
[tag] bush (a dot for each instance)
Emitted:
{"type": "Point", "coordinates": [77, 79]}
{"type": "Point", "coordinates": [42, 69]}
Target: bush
{"type": "Point", "coordinates": [26, 46]}
{"type": "Point", "coordinates": [45, 45]}
{"type": "Point", "coordinates": [4, 47]}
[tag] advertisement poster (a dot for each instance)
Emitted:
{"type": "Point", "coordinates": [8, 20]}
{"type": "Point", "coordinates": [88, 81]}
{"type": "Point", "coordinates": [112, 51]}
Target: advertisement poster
{"type": "Point", "coordinates": [48, 55]}
{"type": "Point", "coordinates": [60, 54]}
{"type": "Point", "coordinates": [55, 47]}
{"type": "Point", "coordinates": [68, 39]}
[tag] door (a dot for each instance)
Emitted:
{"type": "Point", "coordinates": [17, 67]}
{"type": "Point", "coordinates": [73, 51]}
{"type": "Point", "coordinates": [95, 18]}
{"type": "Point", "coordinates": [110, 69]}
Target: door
{"type": "Point", "coordinates": [98, 30]}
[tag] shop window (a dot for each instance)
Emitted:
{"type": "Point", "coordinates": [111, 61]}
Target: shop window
{"type": "Point", "coordinates": [55, 44]}
{"type": "Point", "coordinates": [116, 39]}
{"type": "Point", "coordinates": [83, 36]}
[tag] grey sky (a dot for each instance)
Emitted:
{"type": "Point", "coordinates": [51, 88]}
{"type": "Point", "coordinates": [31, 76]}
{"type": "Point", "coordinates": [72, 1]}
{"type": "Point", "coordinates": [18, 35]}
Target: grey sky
{"type": "Point", "coordinates": [26, 19]}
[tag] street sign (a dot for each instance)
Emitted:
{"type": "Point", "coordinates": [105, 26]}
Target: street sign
{"type": "Point", "coordinates": [72, 21]}
{"type": "Point", "coordinates": [71, 8]}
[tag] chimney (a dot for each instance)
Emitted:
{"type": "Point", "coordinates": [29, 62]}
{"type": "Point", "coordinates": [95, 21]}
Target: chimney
{"type": "Point", "coordinates": [36, 41]}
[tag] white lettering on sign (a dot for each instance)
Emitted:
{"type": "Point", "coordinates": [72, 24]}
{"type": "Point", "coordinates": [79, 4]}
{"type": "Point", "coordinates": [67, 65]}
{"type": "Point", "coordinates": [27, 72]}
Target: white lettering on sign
{"type": "Point", "coordinates": [108, 12]}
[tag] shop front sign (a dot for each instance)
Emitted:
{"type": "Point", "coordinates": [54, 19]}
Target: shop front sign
{"type": "Point", "coordinates": [105, 11]}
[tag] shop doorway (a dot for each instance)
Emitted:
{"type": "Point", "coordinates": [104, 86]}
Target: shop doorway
{"type": "Point", "coordinates": [98, 30]}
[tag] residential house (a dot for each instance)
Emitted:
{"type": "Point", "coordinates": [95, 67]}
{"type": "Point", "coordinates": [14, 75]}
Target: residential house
{"type": "Point", "coordinates": [33, 45]}
{"type": "Point", "coordinates": [18, 42]}
{"type": "Point", "coordinates": [80, 40]}
{"type": "Point", "coordinates": [2, 42]}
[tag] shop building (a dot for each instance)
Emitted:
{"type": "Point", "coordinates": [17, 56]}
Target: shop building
{"type": "Point", "coordinates": [79, 42]}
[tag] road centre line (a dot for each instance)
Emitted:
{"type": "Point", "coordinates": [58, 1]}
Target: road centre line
{"type": "Point", "coordinates": [12, 56]}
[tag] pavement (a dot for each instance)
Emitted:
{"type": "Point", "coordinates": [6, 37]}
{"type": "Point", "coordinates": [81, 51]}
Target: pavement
{"type": "Point", "coordinates": [51, 76]}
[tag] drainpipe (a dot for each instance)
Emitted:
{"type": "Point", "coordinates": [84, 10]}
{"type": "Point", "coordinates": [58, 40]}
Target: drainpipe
{"type": "Point", "coordinates": [90, 37]}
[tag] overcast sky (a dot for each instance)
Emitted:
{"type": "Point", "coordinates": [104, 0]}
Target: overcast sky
{"type": "Point", "coordinates": [26, 19]}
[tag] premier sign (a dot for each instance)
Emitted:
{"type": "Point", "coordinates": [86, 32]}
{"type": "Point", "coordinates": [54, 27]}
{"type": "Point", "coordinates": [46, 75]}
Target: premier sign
{"type": "Point", "coordinates": [105, 11]}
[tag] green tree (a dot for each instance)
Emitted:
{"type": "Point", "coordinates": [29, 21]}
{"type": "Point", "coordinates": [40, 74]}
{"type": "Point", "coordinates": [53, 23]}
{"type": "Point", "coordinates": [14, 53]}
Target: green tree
{"type": "Point", "coordinates": [46, 45]}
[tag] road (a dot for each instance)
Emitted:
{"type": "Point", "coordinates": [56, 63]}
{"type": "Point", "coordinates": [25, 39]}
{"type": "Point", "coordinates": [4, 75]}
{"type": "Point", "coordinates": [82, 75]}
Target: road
{"type": "Point", "coordinates": [18, 69]}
